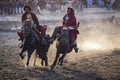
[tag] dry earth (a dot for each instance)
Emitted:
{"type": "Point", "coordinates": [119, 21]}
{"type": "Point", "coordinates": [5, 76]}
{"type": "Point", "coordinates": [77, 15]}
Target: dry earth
{"type": "Point", "coordinates": [88, 64]}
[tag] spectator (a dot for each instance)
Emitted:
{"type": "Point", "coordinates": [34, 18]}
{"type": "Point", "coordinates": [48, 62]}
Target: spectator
{"type": "Point", "coordinates": [100, 3]}
{"type": "Point", "coordinates": [21, 5]}
{"type": "Point", "coordinates": [107, 4]}
{"type": "Point", "coordinates": [48, 5]}
{"type": "Point", "coordinates": [74, 3]}
{"type": "Point", "coordinates": [113, 19]}
{"type": "Point", "coordinates": [89, 3]}
{"type": "Point", "coordinates": [116, 4]}
{"type": "Point", "coordinates": [42, 4]}
{"type": "Point", "coordinates": [111, 3]}
{"type": "Point", "coordinates": [38, 9]}
{"type": "Point", "coordinates": [17, 7]}
{"type": "Point", "coordinates": [81, 5]}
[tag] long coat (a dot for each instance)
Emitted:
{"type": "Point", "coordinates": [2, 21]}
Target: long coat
{"type": "Point", "coordinates": [71, 22]}
{"type": "Point", "coordinates": [34, 17]}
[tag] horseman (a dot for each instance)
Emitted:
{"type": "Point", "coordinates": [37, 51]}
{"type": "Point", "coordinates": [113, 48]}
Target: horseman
{"type": "Point", "coordinates": [30, 22]}
{"type": "Point", "coordinates": [69, 22]}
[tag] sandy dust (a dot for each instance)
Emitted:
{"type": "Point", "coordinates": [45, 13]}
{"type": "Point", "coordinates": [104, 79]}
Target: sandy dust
{"type": "Point", "coordinates": [102, 63]}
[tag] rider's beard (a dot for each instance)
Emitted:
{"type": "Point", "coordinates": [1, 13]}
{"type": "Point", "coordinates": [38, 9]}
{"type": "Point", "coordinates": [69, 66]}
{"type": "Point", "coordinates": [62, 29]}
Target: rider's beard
{"type": "Point", "coordinates": [27, 12]}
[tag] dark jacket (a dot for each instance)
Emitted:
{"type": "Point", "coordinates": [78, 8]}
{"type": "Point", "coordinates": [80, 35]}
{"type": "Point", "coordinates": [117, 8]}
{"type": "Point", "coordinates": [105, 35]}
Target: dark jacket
{"type": "Point", "coordinates": [34, 17]}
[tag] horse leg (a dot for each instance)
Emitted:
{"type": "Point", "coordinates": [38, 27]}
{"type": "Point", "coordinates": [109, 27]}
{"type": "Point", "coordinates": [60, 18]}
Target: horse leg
{"type": "Point", "coordinates": [46, 60]}
{"type": "Point", "coordinates": [61, 59]}
{"type": "Point", "coordinates": [42, 62]}
{"type": "Point", "coordinates": [21, 54]}
{"type": "Point", "coordinates": [35, 60]}
{"type": "Point", "coordinates": [55, 61]}
{"type": "Point", "coordinates": [29, 56]}
{"type": "Point", "coordinates": [25, 42]}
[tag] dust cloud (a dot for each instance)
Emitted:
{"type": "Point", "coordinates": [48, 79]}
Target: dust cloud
{"type": "Point", "coordinates": [98, 55]}
{"type": "Point", "coordinates": [96, 38]}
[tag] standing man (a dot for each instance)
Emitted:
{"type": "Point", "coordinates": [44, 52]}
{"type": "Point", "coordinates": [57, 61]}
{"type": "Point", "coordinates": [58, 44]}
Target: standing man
{"type": "Point", "coordinates": [107, 4]}
{"type": "Point", "coordinates": [81, 5]}
{"type": "Point", "coordinates": [100, 3]}
{"type": "Point", "coordinates": [89, 3]}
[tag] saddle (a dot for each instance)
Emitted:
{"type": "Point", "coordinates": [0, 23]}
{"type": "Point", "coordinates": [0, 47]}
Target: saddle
{"type": "Point", "coordinates": [26, 30]}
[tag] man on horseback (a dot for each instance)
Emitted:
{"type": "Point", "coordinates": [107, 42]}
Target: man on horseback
{"type": "Point", "coordinates": [69, 21]}
{"type": "Point", "coordinates": [30, 22]}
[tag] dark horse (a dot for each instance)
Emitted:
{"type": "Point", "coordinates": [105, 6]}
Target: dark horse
{"type": "Point", "coordinates": [42, 50]}
{"type": "Point", "coordinates": [63, 47]}
{"type": "Point", "coordinates": [39, 44]}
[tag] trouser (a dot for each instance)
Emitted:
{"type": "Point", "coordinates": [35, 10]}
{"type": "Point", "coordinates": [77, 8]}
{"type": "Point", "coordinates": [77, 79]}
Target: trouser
{"type": "Point", "coordinates": [73, 36]}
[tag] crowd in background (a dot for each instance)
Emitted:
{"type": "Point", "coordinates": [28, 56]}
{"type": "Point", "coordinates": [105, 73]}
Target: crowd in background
{"type": "Point", "coordinates": [16, 6]}
{"type": "Point", "coordinates": [79, 4]}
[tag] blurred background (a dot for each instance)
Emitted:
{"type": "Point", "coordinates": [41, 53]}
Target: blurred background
{"type": "Point", "coordinates": [99, 40]}
{"type": "Point", "coordinates": [38, 6]}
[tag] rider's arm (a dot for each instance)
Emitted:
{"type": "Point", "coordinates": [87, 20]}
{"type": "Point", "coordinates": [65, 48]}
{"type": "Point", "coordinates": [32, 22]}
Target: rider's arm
{"type": "Point", "coordinates": [23, 19]}
{"type": "Point", "coordinates": [36, 22]}
{"type": "Point", "coordinates": [35, 19]}
{"type": "Point", "coordinates": [72, 21]}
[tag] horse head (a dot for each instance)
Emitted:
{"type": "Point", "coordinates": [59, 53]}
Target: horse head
{"type": "Point", "coordinates": [64, 37]}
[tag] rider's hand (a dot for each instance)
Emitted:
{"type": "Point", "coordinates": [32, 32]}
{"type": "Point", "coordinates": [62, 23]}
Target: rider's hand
{"type": "Point", "coordinates": [33, 27]}
{"type": "Point", "coordinates": [64, 25]}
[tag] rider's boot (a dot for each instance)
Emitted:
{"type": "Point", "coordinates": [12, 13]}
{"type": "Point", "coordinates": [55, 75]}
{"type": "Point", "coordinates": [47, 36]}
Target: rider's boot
{"type": "Point", "coordinates": [54, 35]}
{"type": "Point", "coordinates": [75, 48]}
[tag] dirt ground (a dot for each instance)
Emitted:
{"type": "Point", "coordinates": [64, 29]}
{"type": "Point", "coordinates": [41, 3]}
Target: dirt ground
{"type": "Point", "coordinates": [86, 65]}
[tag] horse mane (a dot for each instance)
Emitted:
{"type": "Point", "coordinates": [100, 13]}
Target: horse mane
{"type": "Point", "coordinates": [64, 38]}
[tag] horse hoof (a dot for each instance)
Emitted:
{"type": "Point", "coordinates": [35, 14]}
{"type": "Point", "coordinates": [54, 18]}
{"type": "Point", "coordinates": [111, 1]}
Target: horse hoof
{"type": "Point", "coordinates": [42, 64]}
{"type": "Point", "coordinates": [26, 68]}
{"type": "Point", "coordinates": [59, 66]}
{"type": "Point", "coordinates": [24, 54]}
{"type": "Point", "coordinates": [33, 67]}
{"type": "Point", "coordinates": [46, 64]}
{"type": "Point", "coordinates": [50, 69]}
{"type": "Point", "coordinates": [21, 56]}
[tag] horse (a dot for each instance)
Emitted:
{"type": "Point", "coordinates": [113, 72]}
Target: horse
{"type": "Point", "coordinates": [63, 47]}
{"type": "Point", "coordinates": [39, 44]}
{"type": "Point", "coordinates": [42, 51]}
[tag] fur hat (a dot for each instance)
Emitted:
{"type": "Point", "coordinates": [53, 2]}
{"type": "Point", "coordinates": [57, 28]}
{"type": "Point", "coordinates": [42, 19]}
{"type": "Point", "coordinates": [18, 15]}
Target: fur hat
{"type": "Point", "coordinates": [27, 7]}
